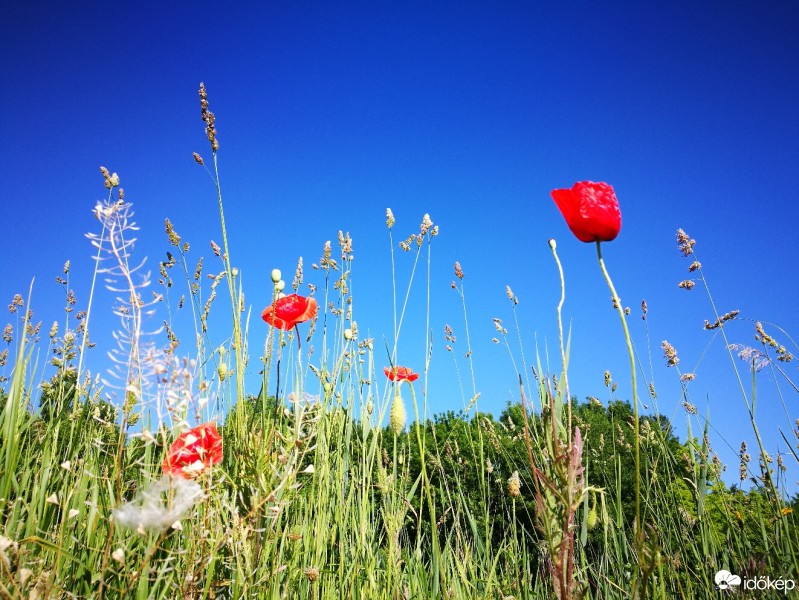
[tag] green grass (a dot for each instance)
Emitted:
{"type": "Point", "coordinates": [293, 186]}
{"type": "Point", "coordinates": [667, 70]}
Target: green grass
{"type": "Point", "coordinates": [318, 497]}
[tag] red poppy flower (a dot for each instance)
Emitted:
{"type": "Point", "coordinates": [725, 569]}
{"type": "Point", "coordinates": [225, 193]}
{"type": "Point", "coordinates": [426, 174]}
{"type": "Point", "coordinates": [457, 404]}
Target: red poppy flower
{"type": "Point", "coordinates": [194, 451]}
{"type": "Point", "coordinates": [400, 374]}
{"type": "Point", "coordinates": [287, 311]}
{"type": "Point", "coordinates": [591, 211]}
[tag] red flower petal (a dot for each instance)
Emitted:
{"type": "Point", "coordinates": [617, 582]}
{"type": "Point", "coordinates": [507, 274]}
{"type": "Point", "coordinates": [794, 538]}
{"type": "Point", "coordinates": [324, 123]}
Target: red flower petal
{"type": "Point", "coordinates": [400, 374]}
{"type": "Point", "coordinates": [194, 451]}
{"type": "Point", "coordinates": [591, 211]}
{"type": "Point", "coordinates": [287, 311]}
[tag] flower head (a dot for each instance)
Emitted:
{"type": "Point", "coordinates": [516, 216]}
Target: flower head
{"type": "Point", "coordinates": [287, 311]}
{"type": "Point", "coordinates": [591, 211]}
{"type": "Point", "coordinates": [194, 451]}
{"type": "Point", "coordinates": [400, 374]}
{"type": "Point", "coordinates": [397, 416]}
{"type": "Point", "coordinates": [159, 504]}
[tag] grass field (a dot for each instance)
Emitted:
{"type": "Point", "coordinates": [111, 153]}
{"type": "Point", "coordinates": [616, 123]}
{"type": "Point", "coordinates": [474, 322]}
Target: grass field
{"type": "Point", "coordinates": [351, 493]}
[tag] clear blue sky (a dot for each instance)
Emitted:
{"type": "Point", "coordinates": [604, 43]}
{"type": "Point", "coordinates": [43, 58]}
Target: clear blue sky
{"type": "Point", "coordinates": [328, 113]}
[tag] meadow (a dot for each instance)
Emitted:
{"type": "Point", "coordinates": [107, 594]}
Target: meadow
{"type": "Point", "coordinates": [329, 478]}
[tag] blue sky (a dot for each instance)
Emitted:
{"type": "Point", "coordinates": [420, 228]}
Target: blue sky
{"type": "Point", "coordinates": [328, 113]}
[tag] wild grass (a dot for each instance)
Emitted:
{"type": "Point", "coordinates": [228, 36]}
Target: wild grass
{"type": "Point", "coordinates": [355, 492]}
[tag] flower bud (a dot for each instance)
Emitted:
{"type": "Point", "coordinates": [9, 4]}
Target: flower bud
{"type": "Point", "coordinates": [397, 415]}
{"type": "Point", "coordinates": [276, 275]}
{"type": "Point", "coordinates": [280, 285]}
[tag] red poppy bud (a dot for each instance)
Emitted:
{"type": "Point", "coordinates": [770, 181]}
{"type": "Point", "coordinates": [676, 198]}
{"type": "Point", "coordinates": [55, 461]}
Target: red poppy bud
{"type": "Point", "coordinates": [591, 211]}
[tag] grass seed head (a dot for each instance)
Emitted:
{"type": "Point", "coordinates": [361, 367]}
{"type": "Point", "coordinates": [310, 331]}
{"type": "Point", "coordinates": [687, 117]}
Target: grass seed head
{"type": "Point", "coordinates": [397, 416]}
{"type": "Point", "coordinates": [685, 243]}
{"type": "Point", "coordinates": [514, 485]}
{"type": "Point", "coordinates": [670, 354]}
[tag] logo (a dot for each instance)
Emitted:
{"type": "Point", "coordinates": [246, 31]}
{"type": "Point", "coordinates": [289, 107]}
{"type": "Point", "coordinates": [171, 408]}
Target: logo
{"type": "Point", "coordinates": [725, 580]}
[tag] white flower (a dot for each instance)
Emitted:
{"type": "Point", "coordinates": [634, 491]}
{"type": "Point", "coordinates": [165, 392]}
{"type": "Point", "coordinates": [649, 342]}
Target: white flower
{"type": "Point", "coordinates": [148, 509]}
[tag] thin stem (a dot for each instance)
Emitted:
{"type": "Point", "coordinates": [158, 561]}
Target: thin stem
{"type": "Point", "coordinates": [553, 247]}
{"type": "Point", "coordinates": [628, 341]}
{"type": "Point", "coordinates": [91, 298]}
{"type": "Point", "coordinates": [234, 300]}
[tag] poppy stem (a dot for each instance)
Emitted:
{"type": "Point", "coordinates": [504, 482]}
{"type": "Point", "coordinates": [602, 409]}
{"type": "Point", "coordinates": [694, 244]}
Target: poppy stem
{"type": "Point", "coordinates": [564, 375]}
{"type": "Point", "coordinates": [620, 309]}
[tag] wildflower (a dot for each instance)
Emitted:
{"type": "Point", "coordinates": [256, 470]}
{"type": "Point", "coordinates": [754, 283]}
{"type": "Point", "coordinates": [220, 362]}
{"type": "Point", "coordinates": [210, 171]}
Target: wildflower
{"type": "Point", "coordinates": [591, 211]}
{"type": "Point", "coordinates": [119, 556]}
{"type": "Point", "coordinates": [193, 452]}
{"type": "Point", "coordinates": [159, 505]}
{"type": "Point", "coordinates": [289, 310]}
{"type": "Point", "coordinates": [400, 374]}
